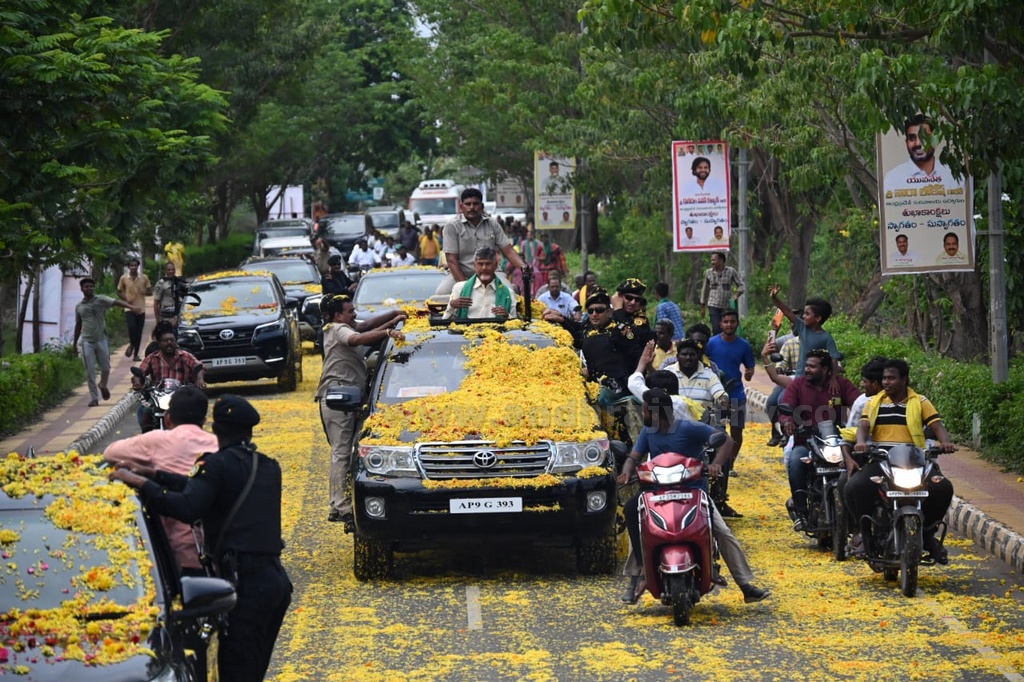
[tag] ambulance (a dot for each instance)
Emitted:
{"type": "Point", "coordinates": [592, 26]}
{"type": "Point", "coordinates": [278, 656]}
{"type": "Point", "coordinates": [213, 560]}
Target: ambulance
{"type": "Point", "coordinates": [436, 201]}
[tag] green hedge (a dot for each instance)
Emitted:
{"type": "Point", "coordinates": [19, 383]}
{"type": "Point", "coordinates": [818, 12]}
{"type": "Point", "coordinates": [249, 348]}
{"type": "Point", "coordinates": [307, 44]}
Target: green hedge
{"type": "Point", "coordinates": [226, 254]}
{"type": "Point", "coordinates": [32, 383]}
{"type": "Point", "coordinates": [957, 389]}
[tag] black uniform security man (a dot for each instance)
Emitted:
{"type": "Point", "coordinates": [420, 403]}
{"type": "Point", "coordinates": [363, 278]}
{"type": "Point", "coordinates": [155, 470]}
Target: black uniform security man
{"type": "Point", "coordinates": [633, 315]}
{"type": "Point", "coordinates": [244, 544]}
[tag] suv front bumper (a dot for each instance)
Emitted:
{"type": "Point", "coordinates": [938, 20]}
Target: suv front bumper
{"type": "Point", "coordinates": [415, 517]}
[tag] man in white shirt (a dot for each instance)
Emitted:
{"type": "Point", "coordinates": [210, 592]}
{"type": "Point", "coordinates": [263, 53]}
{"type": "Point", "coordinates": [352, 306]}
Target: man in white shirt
{"type": "Point", "coordinates": [923, 166]}
{"type": "Point", "coordinates": [402, 257]}
{"type": "Point", "coordinates": [362, 256]}
{"type": "Point", "coordinates": [482, 296]}
{"type": "Point", "coordinates": [556, 298]}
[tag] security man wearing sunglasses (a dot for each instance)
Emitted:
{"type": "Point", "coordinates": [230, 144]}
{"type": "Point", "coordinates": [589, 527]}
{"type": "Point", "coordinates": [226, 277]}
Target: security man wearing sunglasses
{"type": "Point", "coordinates": [633, 314]}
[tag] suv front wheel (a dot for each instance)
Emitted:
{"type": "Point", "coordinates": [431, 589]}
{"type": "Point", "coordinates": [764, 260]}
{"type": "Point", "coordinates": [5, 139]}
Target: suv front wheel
{"type": "Point", "coordinates": [371, 559]}
{"type": "Point", "coordinates": [598, 556]}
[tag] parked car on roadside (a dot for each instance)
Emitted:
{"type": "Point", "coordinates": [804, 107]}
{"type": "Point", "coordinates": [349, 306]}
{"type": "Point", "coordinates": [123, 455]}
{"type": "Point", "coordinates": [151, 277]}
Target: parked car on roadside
{"type": "Point", "coordinates": [245, 327]}
{"type": "Point", "coordinates": [90, 589]}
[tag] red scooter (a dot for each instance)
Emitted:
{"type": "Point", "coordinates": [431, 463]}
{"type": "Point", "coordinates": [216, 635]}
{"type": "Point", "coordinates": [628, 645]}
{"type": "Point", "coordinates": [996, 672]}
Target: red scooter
{"type": "Point", "coordinates": [675, 532]}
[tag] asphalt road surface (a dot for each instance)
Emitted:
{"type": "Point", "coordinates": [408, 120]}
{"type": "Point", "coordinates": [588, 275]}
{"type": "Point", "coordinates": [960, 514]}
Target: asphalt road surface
{"type": "Point", "coordinates": [502, 612]}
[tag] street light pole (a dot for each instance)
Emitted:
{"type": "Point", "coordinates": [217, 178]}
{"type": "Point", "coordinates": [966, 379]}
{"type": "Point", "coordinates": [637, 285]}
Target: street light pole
{"type": "Point", "coordinates": [743, 257]}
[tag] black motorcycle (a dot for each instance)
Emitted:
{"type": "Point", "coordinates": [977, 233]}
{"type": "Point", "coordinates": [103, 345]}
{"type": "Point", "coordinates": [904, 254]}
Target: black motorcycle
{"type": "Point", "coordinates": [156, 400]}
{"type": "Point", "coordinates": [894, 534]}
{"type": "Point", "coordinates": [826, 521]}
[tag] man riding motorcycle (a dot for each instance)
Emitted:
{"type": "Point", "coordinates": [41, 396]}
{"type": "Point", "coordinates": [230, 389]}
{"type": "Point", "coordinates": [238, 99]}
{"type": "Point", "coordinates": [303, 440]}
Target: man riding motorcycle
{"type": "Point", "coordinates": [663, 433]}
{"type": "Point", "coordinates": [897, 414]}
{"type": "Point", "coordinates": [816, 396]}
{"type": "Point", "coordinates": [167, 362]}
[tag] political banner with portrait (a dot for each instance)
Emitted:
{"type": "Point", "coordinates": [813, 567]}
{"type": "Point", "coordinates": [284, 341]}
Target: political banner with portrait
{"type": "Point", "coordinates": [554, 195]}
{"type": "Point", "coordinates": [701, 196]}
{"type": "Point", "coordinates": [924, 211]}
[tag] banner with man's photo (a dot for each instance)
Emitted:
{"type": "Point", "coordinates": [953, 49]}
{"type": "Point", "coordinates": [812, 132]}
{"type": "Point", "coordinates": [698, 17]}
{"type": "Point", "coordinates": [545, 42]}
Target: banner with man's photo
{"type": "Point", "coordinates": [701, 196]}
{"type": "Point", "coordinates": [554, 195]}
{"type": "Point", "coordinates": [924, 211]}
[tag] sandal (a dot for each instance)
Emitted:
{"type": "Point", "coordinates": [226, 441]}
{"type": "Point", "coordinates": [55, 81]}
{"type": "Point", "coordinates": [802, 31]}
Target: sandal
{"type": "Point", "coordinates": [855, 548]}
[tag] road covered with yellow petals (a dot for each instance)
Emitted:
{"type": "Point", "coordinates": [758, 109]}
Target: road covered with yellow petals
{"type": "Point", "coordinates": [522, 613]}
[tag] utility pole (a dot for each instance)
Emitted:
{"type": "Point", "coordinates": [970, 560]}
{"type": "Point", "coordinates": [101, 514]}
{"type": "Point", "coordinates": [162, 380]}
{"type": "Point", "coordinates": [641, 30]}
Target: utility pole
{"type": "Point", "coordinates": [743, 257]}
{"type": "Point", "coordinates": [997, 278]}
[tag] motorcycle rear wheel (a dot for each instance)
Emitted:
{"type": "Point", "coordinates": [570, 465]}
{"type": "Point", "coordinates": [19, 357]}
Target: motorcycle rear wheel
{"type": "Point", "coordinates": [910, 554]}
{"type": "Point", "coordinates": [679, 588]}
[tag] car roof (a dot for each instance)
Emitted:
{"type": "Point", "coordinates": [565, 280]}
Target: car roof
{"type": "Point", "coordinates": [411, 271]}
{"type": "Point", "coordinates": [281, 242]}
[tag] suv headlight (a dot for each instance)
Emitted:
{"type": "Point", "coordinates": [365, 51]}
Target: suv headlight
{"type": "Point", "coordinates": [389, 461]}
{"type": "Point", "coordinates": [275, 326]}
{"type": "Point", "coordinates": [571, 457]}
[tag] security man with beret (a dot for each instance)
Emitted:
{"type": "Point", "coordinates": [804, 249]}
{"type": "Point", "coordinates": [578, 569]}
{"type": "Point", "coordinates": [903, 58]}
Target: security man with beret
{"type": "Point", "coordinates": [633, 315]}
{"type": "Point", "coordinates": [236, 494]}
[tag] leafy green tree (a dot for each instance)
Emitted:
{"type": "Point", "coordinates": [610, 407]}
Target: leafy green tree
{"type": "Point", "coordinates": [96, 125]}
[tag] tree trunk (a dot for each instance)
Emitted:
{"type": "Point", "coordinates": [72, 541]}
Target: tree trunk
{"type": "Point", "coordinates": [870, 300]}
{"type": "Point", "coordinates": [19, 346]}
{"type": "Point", "coordinates": [37, 324]}
{"type": "Point", "coordinates": [969, 326]}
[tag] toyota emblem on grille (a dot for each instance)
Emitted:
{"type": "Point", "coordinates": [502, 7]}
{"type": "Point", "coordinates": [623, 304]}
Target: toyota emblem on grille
{"type": "Point", "coordinates": [227, 334]}
{"type": "Point", "coordinates": [485, 459]}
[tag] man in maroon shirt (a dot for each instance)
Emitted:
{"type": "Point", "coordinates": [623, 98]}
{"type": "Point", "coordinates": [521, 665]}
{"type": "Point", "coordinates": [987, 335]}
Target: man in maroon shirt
{"type": "Point", "coordinates": [816, 396]}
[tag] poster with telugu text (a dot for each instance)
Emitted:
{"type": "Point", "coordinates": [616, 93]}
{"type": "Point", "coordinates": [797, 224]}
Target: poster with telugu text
{"type": "Point", "coordinates": [555, 196]}
{"type": "Point", "coordinates": [925, 214]}
{"type": "Point", "coordinates": [701, 196]}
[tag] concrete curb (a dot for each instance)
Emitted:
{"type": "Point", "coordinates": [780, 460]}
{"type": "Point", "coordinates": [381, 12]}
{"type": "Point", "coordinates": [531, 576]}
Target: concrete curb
{"type": "Point", "coordinates": [963, 518]}
{"type": "Point", "coordinates": [102, 428]}
{"type": "Point", "coordinates": [987, 533]}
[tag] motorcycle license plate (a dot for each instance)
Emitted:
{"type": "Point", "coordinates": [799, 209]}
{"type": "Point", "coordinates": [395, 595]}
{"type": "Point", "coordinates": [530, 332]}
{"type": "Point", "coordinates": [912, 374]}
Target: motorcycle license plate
{"type": "Point", "coordinates": [664, 497]}
{"type": "Point", "coordinates": [909, 493]}
{"type": "Point", "coordinates": [485, 505]}
{"type": "Point", "coordinates": [821, 471]}
{"type": "Point", "coordinates": [225, 362]}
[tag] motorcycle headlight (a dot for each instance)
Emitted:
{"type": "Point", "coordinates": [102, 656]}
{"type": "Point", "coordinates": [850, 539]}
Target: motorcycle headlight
{"type": "Point", "coordinates": [833, 454]}
{"type": "Point", "coordinates": [907, 478]}
{"type": "Point", "coordinates": [571, 457]}
{"type": "Point", "coordinates": [163, 401]}
{"type": "Point", "coordinates": [389, 461]}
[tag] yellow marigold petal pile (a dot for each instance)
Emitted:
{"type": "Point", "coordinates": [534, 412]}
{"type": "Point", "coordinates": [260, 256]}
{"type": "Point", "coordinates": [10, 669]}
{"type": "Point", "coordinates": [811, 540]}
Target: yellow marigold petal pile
{"type": "Point", "coordinates": [542, 397]}
{"type": "Point", "coordinates": [99, 520]}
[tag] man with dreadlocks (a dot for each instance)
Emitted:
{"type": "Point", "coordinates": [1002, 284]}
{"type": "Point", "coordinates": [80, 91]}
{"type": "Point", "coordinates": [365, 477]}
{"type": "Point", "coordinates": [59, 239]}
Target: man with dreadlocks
{"type": "Point", "coordinates": [345, 365]}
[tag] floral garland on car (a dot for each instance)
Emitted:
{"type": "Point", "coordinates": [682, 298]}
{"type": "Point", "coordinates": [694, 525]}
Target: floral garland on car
{"type": "Point", "coordinates": [97, 515]}
{"type": "Point", "coordinates": [546, 397]}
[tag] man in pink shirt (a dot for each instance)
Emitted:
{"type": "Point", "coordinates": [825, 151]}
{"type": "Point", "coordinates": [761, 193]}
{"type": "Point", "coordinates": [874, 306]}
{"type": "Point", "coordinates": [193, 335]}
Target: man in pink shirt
{"type": "Point", "coordinates": [174, 450]}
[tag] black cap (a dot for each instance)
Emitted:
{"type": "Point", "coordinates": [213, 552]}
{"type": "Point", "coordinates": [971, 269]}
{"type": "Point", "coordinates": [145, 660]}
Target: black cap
{"type": "Point", "coordinates": [599, 296]}
{"type": "Point", "coordinates": [334, 260]}
{"type": "Point", "coordinates": [632, 286]}
{"type": "Point", "coordinates": [233, 410]}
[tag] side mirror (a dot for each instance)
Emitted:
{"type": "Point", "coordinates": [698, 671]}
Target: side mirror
{"type": "Point", "coordinates": [717, 439]}
{"type": "Point", "coordinates": [775, 357]}
{"type": "Point", "coordinates": [786, 409]}
{"type": "Point", "coordinates": [205, 597]}
{"type": "Point", "coordinates": [291, 302]}
{"type": "Point", "coordinates": [136, 372]}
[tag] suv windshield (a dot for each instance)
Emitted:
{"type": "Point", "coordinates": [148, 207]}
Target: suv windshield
{"type": "Point", "coordinates": [435, 206]}
{"type": "Point", "coordinates": [384, 221]}
{"type": "Point", "coordinates": [375, 290]}
{"type": "Point", "coordinates": [288, 271]}
{"type": "Point", "coordinates": [287, 231]}
{"type": "Point", "coordinates": [345, 225]}
{"type": "Point", "coordinates": [223, 296]}
{"type": "Point", "coordinates": [433, 366]}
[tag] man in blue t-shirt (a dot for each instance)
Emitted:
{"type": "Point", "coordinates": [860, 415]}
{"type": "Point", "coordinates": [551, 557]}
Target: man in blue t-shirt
{"type": "Point", "coordinates": [808, 326]}
{"type": "Point", "coordinates": [662, 433]}
{"type": "Point", "coordinates": [731, 352]}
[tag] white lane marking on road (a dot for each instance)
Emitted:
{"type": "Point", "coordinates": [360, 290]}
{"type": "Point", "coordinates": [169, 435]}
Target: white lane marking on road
{"type": "Point", "coordinates": [986, 652]}
{"type": "Point", "coordinates": [476, 621]}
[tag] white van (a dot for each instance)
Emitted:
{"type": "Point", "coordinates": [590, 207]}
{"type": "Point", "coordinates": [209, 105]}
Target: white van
{"type": "Point", "coordinates": [436, 201]}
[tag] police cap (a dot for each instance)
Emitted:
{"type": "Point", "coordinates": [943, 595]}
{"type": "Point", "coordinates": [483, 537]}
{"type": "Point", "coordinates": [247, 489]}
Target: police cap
{"type": "Point", "coordinates": [598, 296]}
{"type": "Point", "coordinates": [233, 410]}
{"type": "Point", "coordinates": [632, 286]}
